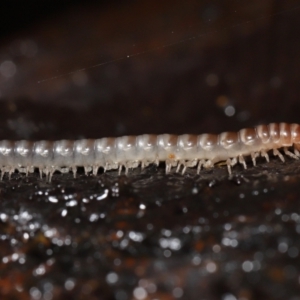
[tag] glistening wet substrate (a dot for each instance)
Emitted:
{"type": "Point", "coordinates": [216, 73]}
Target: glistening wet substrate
{"type": "Point", "coordinates": [153, 236]}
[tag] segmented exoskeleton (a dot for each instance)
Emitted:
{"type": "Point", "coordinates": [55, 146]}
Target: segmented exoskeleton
{"type": "Point", "coordinates": [129, 152]}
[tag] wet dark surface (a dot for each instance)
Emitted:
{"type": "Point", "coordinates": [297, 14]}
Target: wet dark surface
{"type": "Point", "coordinates": [149, 235]}
{"type": "Point", "coordinates": [153, 236]}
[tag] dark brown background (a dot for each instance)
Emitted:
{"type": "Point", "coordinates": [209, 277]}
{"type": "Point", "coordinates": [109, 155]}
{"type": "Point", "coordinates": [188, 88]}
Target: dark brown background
{"type": "Point", "coordinates": [223, 53]}
{"type": "Point", "coordinates": [169, 237]}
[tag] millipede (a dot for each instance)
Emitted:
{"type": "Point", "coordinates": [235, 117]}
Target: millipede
{"type": "Point", "coordinates": [129, 152]}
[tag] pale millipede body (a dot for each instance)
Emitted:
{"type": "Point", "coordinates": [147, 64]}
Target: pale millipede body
{"type": "Point", "coordinates": [129, 152]}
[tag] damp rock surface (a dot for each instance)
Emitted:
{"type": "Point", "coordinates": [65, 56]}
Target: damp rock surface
{"type": "Point", "coordinates": [149, 235]}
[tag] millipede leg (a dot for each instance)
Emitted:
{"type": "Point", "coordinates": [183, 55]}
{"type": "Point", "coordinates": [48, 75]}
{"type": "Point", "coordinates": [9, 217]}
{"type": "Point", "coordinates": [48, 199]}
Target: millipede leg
{"type": "Point", "coordinates": [253, 156]}
{"type": "Point", "coordinates": [46, 172]}
{"type": "Point", "coordinates": [86, 170]}
{"type": "Point", "coordinates": [9, 173]}
{"type": "Point", "coordinates": [277, 153]}
{"type": "Point", "coordinates": [296, 152]}
{"type": "Point", "coordinates": [41, 173]}
{"type": "Point", "coordinates": [178, 167]}
{"type": "Point", "coordinates": [120, 169]}
{"type": "Point", "coordinates": [184, 169]}
{"type": "Point", "coordinates": [264, 154]}
{"type": "Point", "coordinates": [74, 170]}
{"type": "Point", "coordinates": [289, 153]}
{"type": "Point", "coordinates": [51, 172]}
{"type": "Point", "coordinates": [128, 166]}
{"type": "Point", "coordinates": [105, 167]}
{"type": "Point", "coordinates": [242, 161]}
{"type": "Point", "coordinates": [95, 170]}
{"type": "Point", "coordinates": [230, 163]}
{"type": "Point", "coordinates": [168, 167]}
{"type": "Point", "coordinates": [200, 164]}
